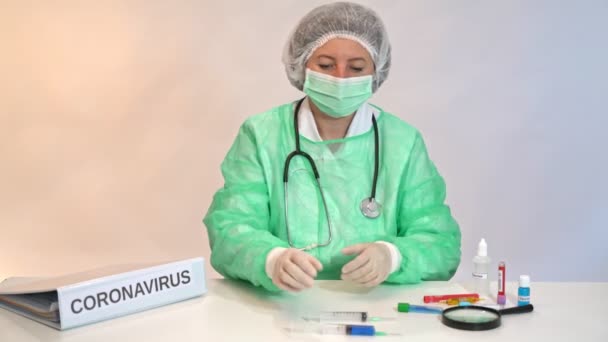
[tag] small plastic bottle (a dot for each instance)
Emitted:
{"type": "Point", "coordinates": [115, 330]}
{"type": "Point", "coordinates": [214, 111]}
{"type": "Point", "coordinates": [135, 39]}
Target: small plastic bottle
{"type": "Point", "coordinates": [523, 292]}
{"type": "Point", "coordinates": [481, 266]}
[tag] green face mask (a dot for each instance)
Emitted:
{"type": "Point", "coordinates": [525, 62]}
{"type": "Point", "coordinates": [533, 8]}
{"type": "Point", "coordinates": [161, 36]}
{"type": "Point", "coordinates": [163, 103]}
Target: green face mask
{"type": "Point", "coordinates": [337, 97]}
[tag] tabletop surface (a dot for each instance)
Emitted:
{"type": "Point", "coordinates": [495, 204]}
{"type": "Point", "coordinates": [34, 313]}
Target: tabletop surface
{"type": "Point", "coordinates": [235, 311]}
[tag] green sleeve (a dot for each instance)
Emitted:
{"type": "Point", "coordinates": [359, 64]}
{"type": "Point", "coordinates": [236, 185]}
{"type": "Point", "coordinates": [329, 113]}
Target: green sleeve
{"type": "Point", "coordinates": [238, 219]}
{"type": "Point", "coordinates": [428, 237]}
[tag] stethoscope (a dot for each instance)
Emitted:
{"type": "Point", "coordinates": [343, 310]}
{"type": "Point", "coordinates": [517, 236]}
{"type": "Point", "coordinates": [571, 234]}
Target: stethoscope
{"type": "Point", "coordinates": [369, 206]}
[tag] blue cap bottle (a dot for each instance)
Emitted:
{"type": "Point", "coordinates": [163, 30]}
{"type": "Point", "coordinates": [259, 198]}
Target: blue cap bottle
{"type": "Point", "coordinates": [523, 292]}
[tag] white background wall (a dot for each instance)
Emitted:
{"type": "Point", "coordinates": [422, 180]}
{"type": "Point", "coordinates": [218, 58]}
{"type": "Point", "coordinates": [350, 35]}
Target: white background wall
{"type": "Point", "coordinates": [115, 116]}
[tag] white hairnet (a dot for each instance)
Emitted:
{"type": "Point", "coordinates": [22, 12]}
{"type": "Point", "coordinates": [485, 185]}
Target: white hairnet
{"type": "Point", "coordinates": [337, 20]}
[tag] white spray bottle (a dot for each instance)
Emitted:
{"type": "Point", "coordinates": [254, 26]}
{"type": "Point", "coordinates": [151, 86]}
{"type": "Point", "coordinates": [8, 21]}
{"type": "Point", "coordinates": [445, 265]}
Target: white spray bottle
{"type": "Point", "coordinates": [481, 266]}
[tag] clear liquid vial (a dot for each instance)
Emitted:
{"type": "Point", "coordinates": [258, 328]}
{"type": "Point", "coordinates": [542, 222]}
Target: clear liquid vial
{"type": "Point", "coordinates": [481, 267]}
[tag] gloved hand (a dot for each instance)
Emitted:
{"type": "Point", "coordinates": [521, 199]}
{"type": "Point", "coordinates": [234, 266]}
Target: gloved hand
{"type": "Point", "coordinates": [295, 270]}
{"type": "Point", "coordinates": [372, 265]}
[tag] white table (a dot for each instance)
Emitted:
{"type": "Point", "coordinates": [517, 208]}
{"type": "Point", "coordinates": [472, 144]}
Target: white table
{"type": "Point", "coordinates": [236, 311]}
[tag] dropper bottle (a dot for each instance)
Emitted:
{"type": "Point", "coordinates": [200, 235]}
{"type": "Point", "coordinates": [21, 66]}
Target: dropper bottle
{"type": "Point", "coordinates": [481, 266]}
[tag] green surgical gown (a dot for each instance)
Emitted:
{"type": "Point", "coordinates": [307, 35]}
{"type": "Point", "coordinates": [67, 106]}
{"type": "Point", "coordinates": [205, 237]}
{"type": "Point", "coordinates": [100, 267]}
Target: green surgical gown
{"type": "Point", "coordinates": [246, 218]}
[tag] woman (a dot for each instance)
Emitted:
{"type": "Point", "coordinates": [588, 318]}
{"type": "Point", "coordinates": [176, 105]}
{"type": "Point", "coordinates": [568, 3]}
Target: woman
{"type": "Point", "coordinates": [376, 211]}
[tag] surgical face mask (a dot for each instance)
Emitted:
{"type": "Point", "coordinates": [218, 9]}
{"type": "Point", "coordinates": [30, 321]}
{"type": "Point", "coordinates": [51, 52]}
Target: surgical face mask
{"type": "Point", "coordinates": [337, 97]}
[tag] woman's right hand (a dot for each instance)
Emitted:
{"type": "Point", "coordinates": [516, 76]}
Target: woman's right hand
{"type": "Point", "coordinates": [295, 270]}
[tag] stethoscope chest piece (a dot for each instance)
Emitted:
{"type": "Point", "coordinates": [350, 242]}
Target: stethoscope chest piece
{"type": "Point", "coordinates": [370, 208]}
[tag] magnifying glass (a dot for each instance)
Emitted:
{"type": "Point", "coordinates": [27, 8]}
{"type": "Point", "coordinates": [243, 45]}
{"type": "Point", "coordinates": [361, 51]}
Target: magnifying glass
{"type": "Point", "coordinates": [478, 317]}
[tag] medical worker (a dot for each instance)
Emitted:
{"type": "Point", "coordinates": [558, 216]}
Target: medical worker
{"type": "Point", "coordinates": [331, 186]}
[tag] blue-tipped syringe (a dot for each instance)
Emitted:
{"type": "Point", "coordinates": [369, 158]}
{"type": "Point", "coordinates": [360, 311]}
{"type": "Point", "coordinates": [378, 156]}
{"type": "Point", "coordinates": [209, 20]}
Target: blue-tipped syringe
{"type": "Point", "coordinates": [353, 330]}
{"type": "Point", "coordinates": [347, 329]}
{"type": "Point", "coordinates": [336, 329]}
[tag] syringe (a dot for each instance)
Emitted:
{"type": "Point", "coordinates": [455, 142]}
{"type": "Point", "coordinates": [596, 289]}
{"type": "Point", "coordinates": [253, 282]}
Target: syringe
{"type": "Point", "coordinates": [336, 329]}
{"type": "Point", "coordinates": [354, 330]}
{"type": "Point", "coordinates": [348, 329]}
{"type": "Point", "coordinates": [346, 316]}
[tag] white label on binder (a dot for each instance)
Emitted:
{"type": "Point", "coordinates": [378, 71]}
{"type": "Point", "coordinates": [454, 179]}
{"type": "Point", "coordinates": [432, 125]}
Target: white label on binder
{"type": "Point", "coordinates": [126, 293]}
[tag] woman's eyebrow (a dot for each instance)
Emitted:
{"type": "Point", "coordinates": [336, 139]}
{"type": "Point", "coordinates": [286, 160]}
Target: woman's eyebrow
{"type": "Point", "coordinates": [354, 59]}
{"type": "Point", "coordinates": [325, 56]}
{"type": "Point", "coordinates": [357, 59]}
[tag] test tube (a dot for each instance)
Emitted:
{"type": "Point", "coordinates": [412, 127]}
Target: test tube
{"type": "Point", "coordinates": [438, 298]}
{"type": "Point", "coordinates": [407, 307]}
{"type": "Point", "coordinates": [501, 298]}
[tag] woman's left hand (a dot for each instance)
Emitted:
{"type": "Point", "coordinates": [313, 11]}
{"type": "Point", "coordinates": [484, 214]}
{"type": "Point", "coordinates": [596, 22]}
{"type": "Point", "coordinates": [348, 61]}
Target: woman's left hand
{"type": "Point", "coordinates": [371, 266]}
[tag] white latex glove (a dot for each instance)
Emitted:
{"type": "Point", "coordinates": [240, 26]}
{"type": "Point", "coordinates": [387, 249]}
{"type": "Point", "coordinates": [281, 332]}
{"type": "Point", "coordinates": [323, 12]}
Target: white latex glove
{"type": "Point", "coordinates": [371, 266]}
{"type": "Point", "coordinates": [295, 270]}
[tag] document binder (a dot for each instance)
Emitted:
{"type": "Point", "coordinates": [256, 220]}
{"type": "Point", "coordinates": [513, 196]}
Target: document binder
{"type": "Point", "coordinates": [82, 298]}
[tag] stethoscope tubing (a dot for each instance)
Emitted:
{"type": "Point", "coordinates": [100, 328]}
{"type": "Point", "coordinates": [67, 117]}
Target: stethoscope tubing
{"type": "Point", "coordinates": [298, 152]}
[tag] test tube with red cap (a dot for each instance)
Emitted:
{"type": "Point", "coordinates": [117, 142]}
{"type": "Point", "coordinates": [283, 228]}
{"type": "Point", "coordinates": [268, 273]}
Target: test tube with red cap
{"type": "Point", "coordinates": [501, 298]}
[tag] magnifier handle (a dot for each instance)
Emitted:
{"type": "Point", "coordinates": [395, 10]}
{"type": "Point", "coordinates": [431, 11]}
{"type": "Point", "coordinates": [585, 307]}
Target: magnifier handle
{"type": "Point", "coordinates": [517, 309]}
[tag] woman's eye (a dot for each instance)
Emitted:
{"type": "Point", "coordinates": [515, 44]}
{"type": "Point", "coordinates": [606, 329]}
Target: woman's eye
{"type": "Point", "coordinates": [355, 69]}
{"type": "Point", "coordinates": [325, 66]}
